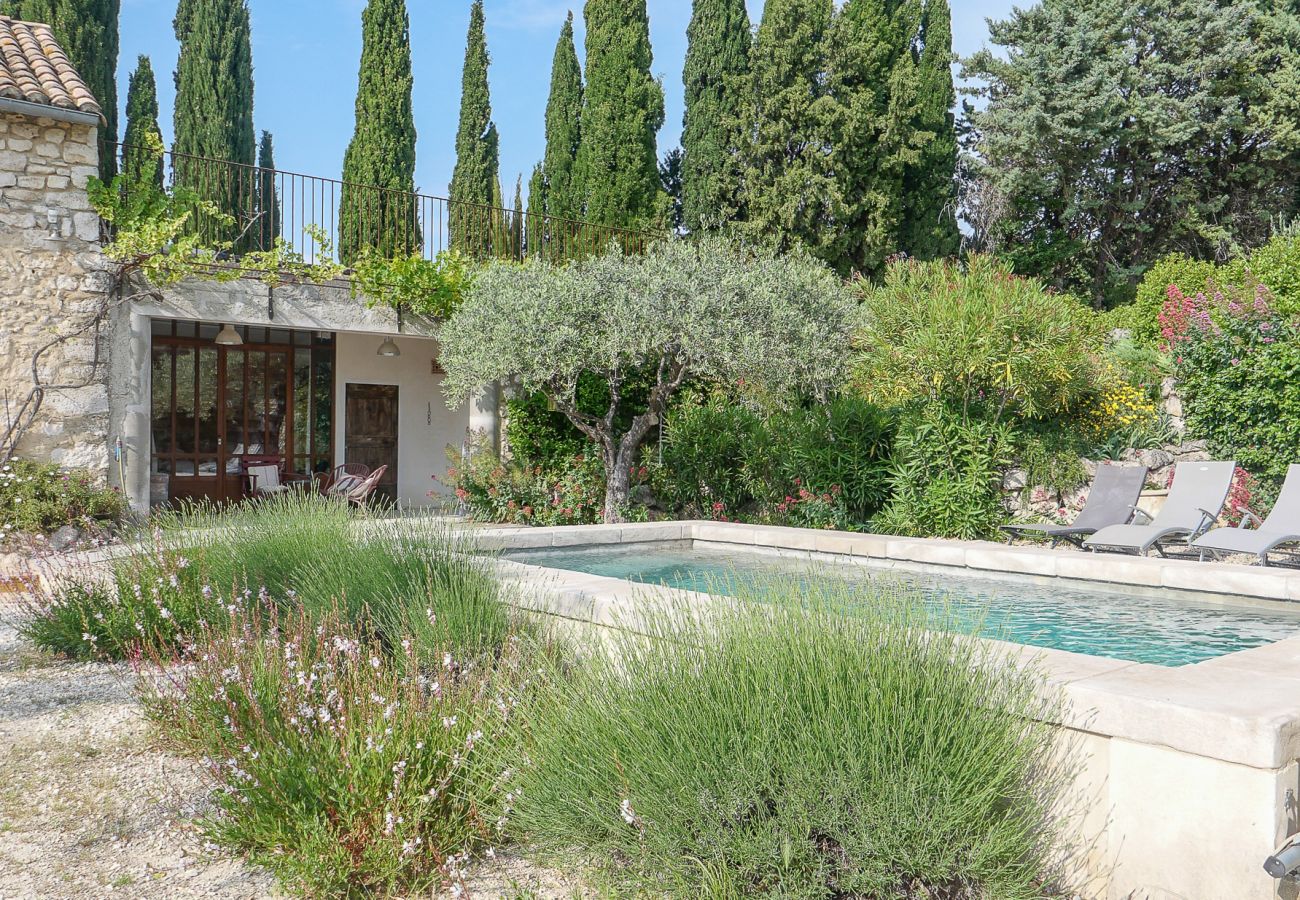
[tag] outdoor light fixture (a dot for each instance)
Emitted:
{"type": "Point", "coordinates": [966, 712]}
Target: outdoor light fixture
{"type": "Point", "coordinates": [228, 337]}
{"type": "Point", "coordinates": [389, 348]}
{"type": "Point", "coordinates": [1285, 861]}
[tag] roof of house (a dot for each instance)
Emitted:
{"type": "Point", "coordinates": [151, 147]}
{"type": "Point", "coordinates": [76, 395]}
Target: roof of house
{"type": "Point", "coordinates": [34, 69]}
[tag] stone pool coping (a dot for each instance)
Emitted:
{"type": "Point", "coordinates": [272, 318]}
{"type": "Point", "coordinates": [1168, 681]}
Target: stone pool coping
{"type": "Point", "coordinates": [1241, 708]}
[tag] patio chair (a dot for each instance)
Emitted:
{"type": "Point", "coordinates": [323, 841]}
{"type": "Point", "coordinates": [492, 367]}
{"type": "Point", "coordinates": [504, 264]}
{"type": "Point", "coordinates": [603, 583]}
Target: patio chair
{"type": "Point", "coordinates": [359, 493]}
{"type": "Point", "coordinates": [265, 476]}
{"type": "Point", "coordinates": [1111, 501]}
{"type": "Point", "coordinates": [1281, 527]}
{"type": "Point", "coordinates": [1192, 507]}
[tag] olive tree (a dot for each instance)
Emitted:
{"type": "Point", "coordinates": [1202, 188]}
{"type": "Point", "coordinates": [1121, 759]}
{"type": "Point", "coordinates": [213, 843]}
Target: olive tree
{"type": "Point", "coordinates": [711, 310]}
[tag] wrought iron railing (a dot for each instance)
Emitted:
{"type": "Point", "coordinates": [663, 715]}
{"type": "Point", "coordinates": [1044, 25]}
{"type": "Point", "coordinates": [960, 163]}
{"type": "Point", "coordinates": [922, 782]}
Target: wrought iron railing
{"type": "Point", "coordinates": [261, 205]}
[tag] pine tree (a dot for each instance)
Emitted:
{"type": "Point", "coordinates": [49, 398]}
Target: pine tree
{"type": "Point", "coordinates": [717, 60]}
{"type": "Point", "coordinates": [790, 191]}
{"type": "Point", "coordinates": [141, 161]}
{"type": "Point", "coordinates": [87, 30]}
{"type": "Point", "coordinates": [617, 166]}
{"type": "Point", "coordinates": [214, 104]}
{"type": "Point", "coordinates": [930, 186]}
{"type": "Point", "coordinates": [381, 154]}
{"type": "Point", "coordinates": [268, 193]}
{"type": "Point", "coordinates": [475, 189]}
{"type": "Point", "coordinates": [563, 129]}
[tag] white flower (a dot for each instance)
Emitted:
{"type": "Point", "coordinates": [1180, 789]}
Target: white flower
{"type": "Point", "coordinates": [627, 812]}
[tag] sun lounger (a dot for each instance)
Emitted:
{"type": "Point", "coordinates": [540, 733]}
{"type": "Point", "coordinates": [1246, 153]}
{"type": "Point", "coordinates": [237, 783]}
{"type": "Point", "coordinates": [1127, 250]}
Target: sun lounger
{"type": "Point", "coordinates": [1111, 501]}
{"type": "Point", "coordinates": [1192, 507]}
{"type": "Point", "coordinates": [1281, 527]}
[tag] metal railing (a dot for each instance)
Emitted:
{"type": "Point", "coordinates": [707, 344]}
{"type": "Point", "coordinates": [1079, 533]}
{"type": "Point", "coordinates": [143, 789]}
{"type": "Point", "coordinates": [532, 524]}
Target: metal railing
{"type": "Point", "coordinates": [266, 204]}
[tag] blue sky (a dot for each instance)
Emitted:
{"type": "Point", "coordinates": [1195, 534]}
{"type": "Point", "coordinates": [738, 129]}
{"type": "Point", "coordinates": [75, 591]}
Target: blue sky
{"type": "Point", "coordinates": [305, 56]}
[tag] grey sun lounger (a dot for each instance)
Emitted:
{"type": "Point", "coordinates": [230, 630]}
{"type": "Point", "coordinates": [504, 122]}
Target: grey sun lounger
{"type": "Point", "coordinates": [1111, 501]}
{"type": "Point", "coordinates": [1281, 527]}
{"type": "Point", "coordinates": [1192, 507]}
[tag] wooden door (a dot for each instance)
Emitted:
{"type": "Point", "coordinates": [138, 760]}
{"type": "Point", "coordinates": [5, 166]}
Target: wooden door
{"type": "Point", "coordinates": [371, 432]}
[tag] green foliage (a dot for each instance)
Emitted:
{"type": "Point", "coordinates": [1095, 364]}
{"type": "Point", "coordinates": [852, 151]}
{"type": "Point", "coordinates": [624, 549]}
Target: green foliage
{"type": "Point", "coordinates": [343, 765]}
{"type": "Point", "coordinates": [536, 433]}
{"type": "Point", "coordinates": [707, 310]}
{"type": "Point", "coordinates": [475, 191]}
{"type": "Point", "coordinates": [159, 595]}
{"type": "Point", "coordinates": [1118, 131]}
{"type": "Point", "coordinates": [790, 191]}
{"type": "Point", "coordinates": [1238, 361]}
{"type": "Point", "coordinates": [381, 153]}
{"type": "Point", "coordinates": [139, 161]}
{"type": "Point", "coordinates": [214, 98]}
{"type": "Point", "coordinates": [564, 490]}
{"type": "Point", "coordinates": [947, 476]}
{"type": "Point", "coordinates": [561, 196]}
{"type": "Point", "coordinates": [37, 498]}
{"type": "Point", "coordinates": [781, 747]}
{"type": "Point", "coordinates": [87, 30]}
{"type": "Point", "coordinates": [1276, 265]}
{"type": "Point", "coordinates": [1191, 276]}
{"type": "Point", "coordinates": [707, 444]}
{"type": "Point", "coordinates": [978, 339]}
{"type": "Point", "coordinates": [717, 64]}
{"type": "Point", "coordinates": [432, 288]}
{"type": "Point", "coordinates": [616, 170]}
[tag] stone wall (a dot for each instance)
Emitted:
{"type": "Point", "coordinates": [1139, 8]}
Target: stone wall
{"type": "Point", "coordinates": [53, 282]}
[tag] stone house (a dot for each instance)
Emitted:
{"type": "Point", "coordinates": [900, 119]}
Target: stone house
{"type": "Point", "coordinates": [172, 394]}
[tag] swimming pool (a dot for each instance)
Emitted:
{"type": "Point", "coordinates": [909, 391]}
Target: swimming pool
{"type": "Point", "coordinates": [1163, 631]}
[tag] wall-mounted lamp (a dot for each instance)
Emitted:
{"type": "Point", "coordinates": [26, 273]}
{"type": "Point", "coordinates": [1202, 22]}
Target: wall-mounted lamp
{"type": "Point", "coordinates": [228, 337]}
{"type": "Point", "coordinates": [389, 348]}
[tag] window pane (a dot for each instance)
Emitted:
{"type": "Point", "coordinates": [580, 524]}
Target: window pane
{"type": "Point", "coordinates": [322, 402]}
{"type": "Point", "coordinates": [185, 363]}
{"type": "Point", "coordinates": [160, 326]}
{"type": "Point", "coordinates": [185, 467]}
{"type": "Point", "coordinates": [279, 336]}
{"type": "Point", "coordinates": [256, 436]}
{"type": "Point", "coordinates": [235, 432]}
{"type": "Point", "coordinates": [207, 410]}
{"type": "Point", "coordinates": [301, 401]}
{"type": "Point", "coordinates": [278, 411]}
{"type": "Point", "coordinates": [161, 389]}
{"type": "Point", "coordinates": [185, 329]}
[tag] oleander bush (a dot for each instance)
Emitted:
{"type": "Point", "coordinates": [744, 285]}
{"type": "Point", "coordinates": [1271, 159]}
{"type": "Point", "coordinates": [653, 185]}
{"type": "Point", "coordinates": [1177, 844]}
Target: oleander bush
{"type": "Point", "coordinates": [347, 766]}
{"type": "Point", "coordinates": [38, 498]}
{"type": "Point", "coordinates": [778, 747]}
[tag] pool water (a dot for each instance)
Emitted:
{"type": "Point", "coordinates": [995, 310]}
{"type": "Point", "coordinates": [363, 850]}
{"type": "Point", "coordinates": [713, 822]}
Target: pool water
{"type": "Point", "coordinates": [1166, 632]}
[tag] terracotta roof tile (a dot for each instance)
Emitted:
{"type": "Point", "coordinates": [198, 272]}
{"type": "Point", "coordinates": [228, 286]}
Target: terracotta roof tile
{"type": "Point", "coordinates": [33, 67]}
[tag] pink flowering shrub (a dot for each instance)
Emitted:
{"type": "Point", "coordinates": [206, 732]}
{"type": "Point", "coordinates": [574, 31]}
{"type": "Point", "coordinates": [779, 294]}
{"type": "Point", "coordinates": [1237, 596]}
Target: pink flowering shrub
{"type": "Point", "coordinates": [343, 764]}
{"type": "Point", "coordinates": [1236, 359]}
{"type": "Point", "coordinates": [803, 508]}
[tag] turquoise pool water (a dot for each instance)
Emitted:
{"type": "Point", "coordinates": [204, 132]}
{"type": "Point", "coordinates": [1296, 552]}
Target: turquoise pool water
{"type": "Point", "coordinates": [1166, 632]}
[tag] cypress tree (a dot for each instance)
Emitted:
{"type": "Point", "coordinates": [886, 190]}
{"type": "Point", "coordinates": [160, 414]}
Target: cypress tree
{"type": "Point", "coordinates": [381, 153]}
{"type": "Point", "coordinates": [517, 231]}
{"type": "Point", "coordinates": [563, 129]}
{"type": "Point", "coordinates": [268, 194]}
{"type": "Point", "coordinates": [717, 60]}
{"type": "Point", "coordinates": [617, 166]}
{"type": "Point", "coordinates": [87, 30]}
{"type": "Point", "coordinates": [214, 103]}
{"type": "Point", "coordinates": [930, 188]}
{"type": "Point", "coordinates": [790, 191]}
{"type": "Point", "coordinates": [143, 135]}
{"type": "Point", "coordinates": [536, 232]}
{"type": "Point", "coordinates": [475, 189]}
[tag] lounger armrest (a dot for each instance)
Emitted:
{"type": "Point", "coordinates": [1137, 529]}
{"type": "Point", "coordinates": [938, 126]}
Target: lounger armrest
{"type": "Point", "coordinates": [1247, 517]}
{"type": "Point", "coordinates": [1207, 521]}
{"type": "Point", "coordinates": [1139, 511]}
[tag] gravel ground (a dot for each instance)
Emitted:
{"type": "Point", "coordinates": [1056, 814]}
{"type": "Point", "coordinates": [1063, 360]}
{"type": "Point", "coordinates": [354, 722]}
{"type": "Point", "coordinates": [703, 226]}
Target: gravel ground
{"type": "Point", "coordinates": [89, 807]}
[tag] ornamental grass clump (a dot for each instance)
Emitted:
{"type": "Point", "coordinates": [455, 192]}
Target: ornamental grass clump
{"type": "Point", "coordinates": [798, 745]}
{"type": "Point", "coordinates": [347, 767]}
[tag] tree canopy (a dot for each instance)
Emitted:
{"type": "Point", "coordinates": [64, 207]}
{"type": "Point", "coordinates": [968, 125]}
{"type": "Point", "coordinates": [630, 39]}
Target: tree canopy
{"type": "Point", "coordinates": [563, 130]}
{"type": "Point", "coordinates": [704, 309]}
{"type": "Point", "coordinates": [475, 189]}
{"type": "Point", "coordinates": [140, 162]}
{"type": "Point", "coordinates": [1117, 131]}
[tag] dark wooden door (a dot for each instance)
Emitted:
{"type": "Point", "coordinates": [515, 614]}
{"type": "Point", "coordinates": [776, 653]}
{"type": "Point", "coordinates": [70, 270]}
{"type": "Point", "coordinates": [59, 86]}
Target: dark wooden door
{"type": "Point", "coordinates": [371, 435]}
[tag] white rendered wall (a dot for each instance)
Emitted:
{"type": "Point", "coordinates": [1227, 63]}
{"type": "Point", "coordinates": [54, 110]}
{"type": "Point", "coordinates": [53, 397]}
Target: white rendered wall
{"type": "Point", "coordinates": [425, 425]}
